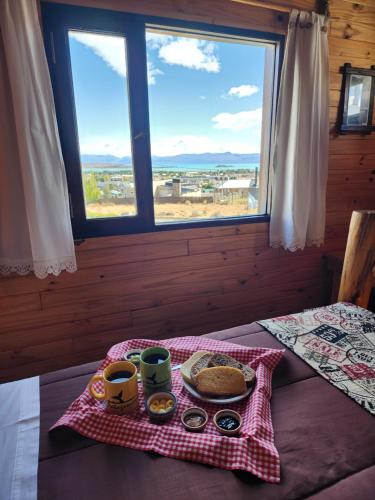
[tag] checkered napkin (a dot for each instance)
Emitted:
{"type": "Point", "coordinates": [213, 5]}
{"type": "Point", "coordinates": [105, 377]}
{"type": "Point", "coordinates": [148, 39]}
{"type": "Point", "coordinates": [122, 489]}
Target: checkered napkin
{"type": "Point", "coordinates": [253, 451]}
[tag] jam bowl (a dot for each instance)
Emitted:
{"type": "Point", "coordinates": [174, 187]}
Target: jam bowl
{"type": "Point", "coordinates": [194, 419]}
{"type": "Point", "coordinates": [228, 422]}
{"type": "Point", "coordinates": [161, 406]}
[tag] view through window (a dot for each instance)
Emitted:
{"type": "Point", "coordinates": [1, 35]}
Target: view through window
{"type": "Point", "coordinates": [206, 115]}
{"type": "Point", "coordinates": [209, 119]}
{"type": "Point", "coordinates": [99, 74]}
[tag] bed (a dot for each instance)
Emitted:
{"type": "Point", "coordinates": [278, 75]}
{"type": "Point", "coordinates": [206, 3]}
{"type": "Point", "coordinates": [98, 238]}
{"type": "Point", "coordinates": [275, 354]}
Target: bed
{"type": "Point", "coordinates": [326, 443]}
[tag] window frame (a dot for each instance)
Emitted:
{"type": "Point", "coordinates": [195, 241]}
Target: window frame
{"type": "Point", "coordinates": [57, 20]}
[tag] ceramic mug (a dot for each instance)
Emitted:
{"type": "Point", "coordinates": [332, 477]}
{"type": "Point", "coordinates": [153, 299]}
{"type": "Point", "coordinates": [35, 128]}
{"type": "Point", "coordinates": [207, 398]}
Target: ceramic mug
{"type": "Point", "coordinates": [120, 386]}
{"type": "Point", "coordinates": [155, 366]}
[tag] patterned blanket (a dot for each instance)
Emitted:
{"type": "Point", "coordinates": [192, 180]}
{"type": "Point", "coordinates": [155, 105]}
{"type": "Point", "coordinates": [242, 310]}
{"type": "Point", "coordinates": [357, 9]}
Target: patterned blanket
{"type": "Point", "coordinates": [338, 341]}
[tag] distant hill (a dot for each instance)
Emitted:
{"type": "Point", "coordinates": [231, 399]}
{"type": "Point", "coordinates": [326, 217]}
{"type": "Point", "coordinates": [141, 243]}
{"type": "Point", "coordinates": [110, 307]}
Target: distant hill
{"type": "Point", "coordinates": [219, 158]}
{"type": "Point", "coordinates": [105, 159]}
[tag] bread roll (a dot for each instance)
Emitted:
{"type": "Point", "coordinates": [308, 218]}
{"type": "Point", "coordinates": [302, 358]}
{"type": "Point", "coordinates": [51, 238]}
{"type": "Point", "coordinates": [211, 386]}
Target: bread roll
{"type": "Point", "coordinates": [221, 381]}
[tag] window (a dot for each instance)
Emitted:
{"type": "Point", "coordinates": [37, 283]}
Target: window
{"type": "Point", "coordinates": [163, 123]}
{"type": "Point", "coordinates": [102, 111]}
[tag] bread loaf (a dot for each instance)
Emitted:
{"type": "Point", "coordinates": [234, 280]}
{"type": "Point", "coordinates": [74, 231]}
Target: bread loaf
{"type": "Point", "coordinates": [198, 366]}
{"type": "Point", "coordinates": [186, 367]}
{"type": "Point", "coordinates": [249, 374]}
{"type": "Point", "coordinates": [224, 360]}
{"type": "Point", "coordinates": [220, 381]}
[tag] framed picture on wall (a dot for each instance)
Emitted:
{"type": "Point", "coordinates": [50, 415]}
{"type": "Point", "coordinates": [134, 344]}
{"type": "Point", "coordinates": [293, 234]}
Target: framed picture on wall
{"type": "Point", "coordinates": [357, 100]}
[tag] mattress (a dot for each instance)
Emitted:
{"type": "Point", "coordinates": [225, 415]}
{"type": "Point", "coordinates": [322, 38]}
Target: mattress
{"type": "Point", "coordinates": [325, 440]}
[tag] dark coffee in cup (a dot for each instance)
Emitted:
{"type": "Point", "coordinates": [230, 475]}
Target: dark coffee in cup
{"type": "Point", "coordinates": [155, 359]}
{"type": "Point", "coordinates": [119, 387]}
{"type": "Point", "coordinates": [118, 377]}
{"type": "Point", "coordinates": [156, 370]}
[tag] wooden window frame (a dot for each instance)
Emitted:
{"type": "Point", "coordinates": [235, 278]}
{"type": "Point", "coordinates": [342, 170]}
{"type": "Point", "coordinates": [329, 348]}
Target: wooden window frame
{"type": "Point", "coordinates": [57, 20]}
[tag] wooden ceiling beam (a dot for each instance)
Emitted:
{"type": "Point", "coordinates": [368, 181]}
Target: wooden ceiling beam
{"type": "Point", "coordinates": [368, 3]}
{"type": "Point", "coordinates": [287, 5]}
{"type": "Point", "coordinates": [266, 4]}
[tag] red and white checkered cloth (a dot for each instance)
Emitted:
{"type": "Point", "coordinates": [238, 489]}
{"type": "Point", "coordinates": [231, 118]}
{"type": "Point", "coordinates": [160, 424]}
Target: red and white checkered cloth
{"type": "Point", "coordinates": [252, 451]}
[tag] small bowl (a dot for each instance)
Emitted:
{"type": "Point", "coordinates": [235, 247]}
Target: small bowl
{"type": "Point", "coordinates": [160, 417]}
{"type": "Point", "coordinates": [133, 352]}
{"type": "Point", "coordinates": [228, 413]}
{"type": "Point", "coordinates": [194, 410]}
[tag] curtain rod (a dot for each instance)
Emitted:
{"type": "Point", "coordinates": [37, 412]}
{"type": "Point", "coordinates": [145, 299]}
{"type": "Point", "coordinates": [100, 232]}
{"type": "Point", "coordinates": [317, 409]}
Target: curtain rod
{"type": "Point", "coordinates": [321, 6]}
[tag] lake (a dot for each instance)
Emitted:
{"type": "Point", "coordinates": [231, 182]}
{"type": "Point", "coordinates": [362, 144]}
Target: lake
{"type": "Point", "coordinates": [182, 167]}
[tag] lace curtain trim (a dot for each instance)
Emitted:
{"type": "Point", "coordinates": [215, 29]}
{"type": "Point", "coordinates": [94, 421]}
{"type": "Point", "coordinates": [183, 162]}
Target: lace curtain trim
{"type": "Point", "coordinates": [297, 245]}
{"type": "Point", "coordinates": [41, 269]}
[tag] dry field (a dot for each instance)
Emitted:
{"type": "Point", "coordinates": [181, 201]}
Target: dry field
{"type": "Point", "coordinates": [173, 211]}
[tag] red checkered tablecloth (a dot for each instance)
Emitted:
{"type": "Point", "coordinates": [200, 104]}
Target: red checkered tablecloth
{"type": "Point", "coordinates": [253, 451]}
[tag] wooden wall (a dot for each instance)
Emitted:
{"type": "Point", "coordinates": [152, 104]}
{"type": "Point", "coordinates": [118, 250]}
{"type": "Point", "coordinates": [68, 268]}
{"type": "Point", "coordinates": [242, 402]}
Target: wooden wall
{"type": "Point", "coordinates": [189, 282]}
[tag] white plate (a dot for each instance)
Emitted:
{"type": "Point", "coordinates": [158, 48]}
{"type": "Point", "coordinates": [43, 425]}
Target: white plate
{"type": "Point", "coordinates": [218, 400]}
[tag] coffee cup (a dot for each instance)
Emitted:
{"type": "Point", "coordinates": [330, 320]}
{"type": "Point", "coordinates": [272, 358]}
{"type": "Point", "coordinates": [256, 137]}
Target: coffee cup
{"type": "Point", "coordinates": [155, 366]}
{"type": "Point", "coordinates": [120, 386]}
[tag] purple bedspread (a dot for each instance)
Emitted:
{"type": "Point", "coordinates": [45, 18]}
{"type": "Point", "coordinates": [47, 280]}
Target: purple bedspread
{"type": "Point", "coordinates": [326, 444]}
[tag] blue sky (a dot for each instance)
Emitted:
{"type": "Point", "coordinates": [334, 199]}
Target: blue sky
{"type": "Point", "coordinates": [204, 96]}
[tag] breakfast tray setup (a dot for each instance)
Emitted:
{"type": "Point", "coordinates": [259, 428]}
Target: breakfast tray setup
{"type": "Point", "coordinates": [253, 450]}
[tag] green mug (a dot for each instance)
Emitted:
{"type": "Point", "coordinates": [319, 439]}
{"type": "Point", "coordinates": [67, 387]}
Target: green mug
{"type": "Point", "coordinates": [156, 374]}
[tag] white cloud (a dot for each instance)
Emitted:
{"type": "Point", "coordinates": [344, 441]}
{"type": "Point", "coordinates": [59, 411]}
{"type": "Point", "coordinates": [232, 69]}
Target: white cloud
{"type": "Point", "coordinates": [243, 90]}
{"type": "Point", "coordinates": [111, 49]}
{"type": "Point", "coordinates": [105, 146]}
{"type": "Point", "coordinates": [239, 121]}
{"type": "Point", "coordinates": [181, 144]}
{"type": "Point", "coordinates": [170, 145]}
{"type": "Point", "coordinates": [182, 51]}
{"type": "Point", "coordinates": [188, 52]}
{"type": "Point", "coordinates": [152, 72]}
{"type": "Point", "coordinates": [156, 40]}
{"type": "Point", "coordinates": [202, 97]}
{"type": "Point", "coordinates": [198, 144]}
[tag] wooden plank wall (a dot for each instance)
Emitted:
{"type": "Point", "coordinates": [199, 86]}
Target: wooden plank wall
{"type": "Point", "coordinates": [189, 282]}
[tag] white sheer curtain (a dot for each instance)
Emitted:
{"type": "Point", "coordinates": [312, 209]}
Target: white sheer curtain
{"type": "Point", "coordinates": [300, 155]}
{"type": "Point", "coordinates": [35, 228]}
